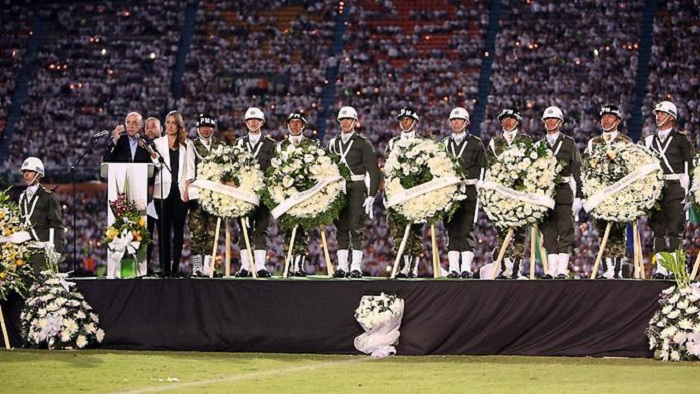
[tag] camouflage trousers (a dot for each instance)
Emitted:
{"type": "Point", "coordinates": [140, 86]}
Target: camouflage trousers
{"type": "Point", "coordinates": [516, 248]}
{"type": "Point", "coordinates": [616, 246]}
{"type": "Point", "coordinates": [414, 243]}
{"type": "Point", "coordinates": [301, 243]}
{"type": "Point", "coordinates": [202, 226]}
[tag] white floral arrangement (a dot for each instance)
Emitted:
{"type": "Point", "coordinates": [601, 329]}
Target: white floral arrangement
{"type": "Point", "coordinates": [621, 181]}
{"type": "Point", "coordinates": [230, 166]}
{"type": "Point", "coordinates": [305, 186]}
{"type": "Point", "coordinates": [518, 188]}
{"type": "Point", "coordinates": [57, 316]}
{"type": "Point", "coordinates": [380, 317]}
{"type": "Point", "coordinates": [15, 270]}
{"type": "Point", "coordinates": [695, 186]}
{"type": "Point", "coordinates": [674, 331]}
{"type": "Point", "coordinates": [422, 183]}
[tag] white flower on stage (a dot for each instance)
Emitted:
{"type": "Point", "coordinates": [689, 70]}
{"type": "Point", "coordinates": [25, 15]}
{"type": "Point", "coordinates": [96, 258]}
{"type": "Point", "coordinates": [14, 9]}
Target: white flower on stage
{"type": "Point", "coordinates": [307, 184]}
{"type": "Point", "coordinates": [233, 166]}
{"type": "Point", "coordinates": [613, 176]}
{"type": "Point", "coordinates": [413, 164]}
{"type": "Point", "coordinates": [524, 174]}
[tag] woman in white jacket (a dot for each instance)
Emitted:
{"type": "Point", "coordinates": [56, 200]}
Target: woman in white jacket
{"type": "Point", "coordinates": [170, 192]}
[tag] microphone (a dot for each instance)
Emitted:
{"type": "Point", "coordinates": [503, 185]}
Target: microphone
{"type": "Point", "coordinates": [147, 141]}
{"type": "Point", "coordinates": [101, 134]}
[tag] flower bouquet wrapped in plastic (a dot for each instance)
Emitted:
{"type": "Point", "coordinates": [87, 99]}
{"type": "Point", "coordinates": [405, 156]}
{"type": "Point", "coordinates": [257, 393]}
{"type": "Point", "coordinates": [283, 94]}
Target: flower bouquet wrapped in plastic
{"type": "Point", "coordinates": [380, 316]}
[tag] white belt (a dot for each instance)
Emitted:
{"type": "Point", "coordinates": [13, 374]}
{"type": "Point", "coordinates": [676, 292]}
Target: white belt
{"type": "Point", "coordinates": [357, 178]}
{"type": "Point", "coordinates": [672, 177]}
{"type": "Point", "coordinates": [469, 182]}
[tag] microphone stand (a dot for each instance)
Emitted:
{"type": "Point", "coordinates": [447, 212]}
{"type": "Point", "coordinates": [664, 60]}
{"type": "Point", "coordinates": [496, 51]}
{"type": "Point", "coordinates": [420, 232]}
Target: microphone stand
{"type": "Point", "coordinates": [161, 234]}
{"type": "Point", "coordinates": [71, 171]}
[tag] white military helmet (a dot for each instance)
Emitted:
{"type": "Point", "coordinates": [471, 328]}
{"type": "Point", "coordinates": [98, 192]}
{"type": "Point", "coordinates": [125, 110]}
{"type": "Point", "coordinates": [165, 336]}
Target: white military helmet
{"type": "Point", "coordinates": [459, 113]}
{"type": "Point", "coordinates": [667, 107]}
{"type": "Point", "coordinates": [33, 164]}
{"type": "Point", "coordinates": [254, 113]}
{"type": "Point", "coordinates": [347, 113]}
{"type": "Point", "coordinates": [553, 112]}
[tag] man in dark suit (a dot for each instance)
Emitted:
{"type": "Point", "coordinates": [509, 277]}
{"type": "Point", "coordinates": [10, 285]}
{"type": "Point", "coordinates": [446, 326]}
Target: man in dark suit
{"type": "Point", "coordinates": [676, 153]}
{"type": "Point", "coordinates": [262, 148]}
{"type": "Point", "coordinates": [558, 226]}
{"type": "Point", "coordinates": [124, 146]}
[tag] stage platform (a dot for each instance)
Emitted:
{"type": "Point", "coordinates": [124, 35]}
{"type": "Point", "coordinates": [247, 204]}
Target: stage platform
{"type": "Point", "coordinates": [442, 316]}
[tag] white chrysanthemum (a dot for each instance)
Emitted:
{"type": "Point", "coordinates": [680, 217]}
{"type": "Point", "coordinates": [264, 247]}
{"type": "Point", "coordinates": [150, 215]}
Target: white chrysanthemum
{"type": "Point", "coordinates": [81, 342]}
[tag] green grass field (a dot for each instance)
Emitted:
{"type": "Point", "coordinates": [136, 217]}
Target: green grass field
{"type": "Point", "coordinates": [24, 371]}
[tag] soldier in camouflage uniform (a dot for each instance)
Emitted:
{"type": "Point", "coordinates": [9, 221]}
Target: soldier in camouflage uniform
{"type": "Point", "coordinates": [510, 122]}
{"type": "Point", "coordinates": [408, 119]}
{"type": "Point", "coordinates": [676, 153]}
{"type": "Point", "coordinates": [358, 155]}
{"type": "Point", "coordinates": [558, 225]}
{"type": "Point", "coordinates": [615, 249]}
{"type": "Point", "coordinates": [471, 155]}
{"type": "Point", "coordinates": [296, 123]}
{"type": "Point", "coordinates": [262, 147]}
{"type": "Point", "coordinates": [202, 224]}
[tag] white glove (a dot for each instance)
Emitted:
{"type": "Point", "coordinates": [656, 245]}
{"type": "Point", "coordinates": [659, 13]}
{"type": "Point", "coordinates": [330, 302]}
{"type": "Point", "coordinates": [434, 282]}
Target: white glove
{"type": "Point", "coordinates": [576, 207]}
{"type": "Point", "coordinates": [684, 179]}
{"type": "Point", "coordinates": [369, 202]}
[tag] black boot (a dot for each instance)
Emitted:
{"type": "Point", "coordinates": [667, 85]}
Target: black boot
{"type": "Point", "coordinates": [618, 268]}
{"type": "Point", "coordinates": [516, 269]}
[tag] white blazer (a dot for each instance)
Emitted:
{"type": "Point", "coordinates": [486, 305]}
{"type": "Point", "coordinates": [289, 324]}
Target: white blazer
{"type": "Point", "coordinates": [162, 146]}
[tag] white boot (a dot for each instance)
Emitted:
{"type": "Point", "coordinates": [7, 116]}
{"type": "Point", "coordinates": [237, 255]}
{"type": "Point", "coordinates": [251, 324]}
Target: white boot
{"type": "Point", "coordinates": [343, 260]}
{"type": "Point", "coordinates": [508, 270]}
{"type": "Point", "coordinates": [415, 260]}
{"type": "Point", "coordinates": [208, 266]}
{"type": "Point", "coordinates": [260, 255]}
{"type": "Point", "coordinates": [406, 268]}
{"type": "Point", "coordinates": [197, 265]}
{"type": "Point", "coordinates": [245, 260]}
{"type": "Point", "coordinates": [467, 259]}
{"type": "Point", "coordinates": [563, 263]}
{"type": "Point", "coordinates": [453, 259]}
{"type": "Point", "coordinates": [610, 268]}
{"type": "Point", "coordinates": [552, 265]}
{"type": "Point", "coordinates": [356, 266]}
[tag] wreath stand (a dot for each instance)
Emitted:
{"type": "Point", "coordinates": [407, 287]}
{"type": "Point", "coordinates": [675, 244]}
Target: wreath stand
{"type": "Point", "coordinates": [434, 248]}
{"type": "Point", "coordinates": [603, 243]}
{"type": "Point", "coordinates": [695, 268]}
{"type": "Point", "coordinates": [227, 252]}
{"type": "Point", "coordinates": [4, 331]}
{"type": "Point", "coordinates": [534, 230]}
{"type": "Point", "coordinates": [638, 253]}
{"type": "Point", "coordinates": [402, 247]}
{"type": "Point", "coordinates": [289, 258]}
{"type": "Point", "coordinates": [501, 253]}
{"type": "Point", "coordinates": [326, 255]}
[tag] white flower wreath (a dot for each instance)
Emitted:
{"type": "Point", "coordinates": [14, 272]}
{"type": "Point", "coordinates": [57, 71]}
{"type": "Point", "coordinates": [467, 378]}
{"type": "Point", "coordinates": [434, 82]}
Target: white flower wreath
{"type": "Point", "coordinates": [519, 186]}
{"type": "Point", "coordinates": [674, 331]}
{"type": "Point", "coordinates": [621, 181]}
{"type": "Point", "coordinates": [233, 167]}
{"type": "Point", "coordinates": [422, 183]}
{"type": "Point", "coordinates": [304, 186]}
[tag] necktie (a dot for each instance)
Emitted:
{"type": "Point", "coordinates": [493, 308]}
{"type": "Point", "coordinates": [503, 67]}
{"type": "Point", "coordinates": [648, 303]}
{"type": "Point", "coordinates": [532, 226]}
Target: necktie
{"type": "Point", "coordinates": [606, 137]}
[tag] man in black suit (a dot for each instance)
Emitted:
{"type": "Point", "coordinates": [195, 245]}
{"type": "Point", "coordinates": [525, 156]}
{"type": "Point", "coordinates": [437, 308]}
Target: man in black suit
{"type": "Point", "coordinates": [124, 146]}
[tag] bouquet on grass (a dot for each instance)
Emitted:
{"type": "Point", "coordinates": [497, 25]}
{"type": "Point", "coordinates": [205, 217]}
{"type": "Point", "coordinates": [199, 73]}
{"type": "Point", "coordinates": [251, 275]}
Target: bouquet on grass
{"type": "Point", "coordinates": [674, 331]}
{"type": "Point", "coordinates": [380, 316]}
{"type": "Point", "coordinates": [621, 181]}
{"type": "Point", "coordinates": [15, 270]}
{"type": "Point", "coordinates": [56, 315]}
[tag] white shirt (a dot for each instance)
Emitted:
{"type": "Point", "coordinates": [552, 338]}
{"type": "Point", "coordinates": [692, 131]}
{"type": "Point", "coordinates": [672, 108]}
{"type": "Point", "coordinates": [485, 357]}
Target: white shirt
{"type": "Point", "coordinates": [205, 142]}
{"type": "Point", "coordinates": [31, 190]}
{"type": "Point", "coordinates": [663, 133]}
{"type": "Point", "coordinates": [254, 138]}
{"type": "Point", "coordinates": [295, 139]}
{"type": "Point", "coordinates": [607, 137]}
{"type": "Point", "coordinates": [407, 136]}
{"type": "Point", "coordinates": [459, 137]}
{"type": "Point", "coordinates": [346, 136]}
{"type": "Point", "coordinates": [510, 136]}
{"type": "Point", "coordinates": [552, 138]}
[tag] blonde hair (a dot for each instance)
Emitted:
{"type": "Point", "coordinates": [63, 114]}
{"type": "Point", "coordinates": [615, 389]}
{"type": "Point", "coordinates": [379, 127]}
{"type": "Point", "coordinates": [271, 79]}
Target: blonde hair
{"type": "Point", "coordinates": [181, 136]}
